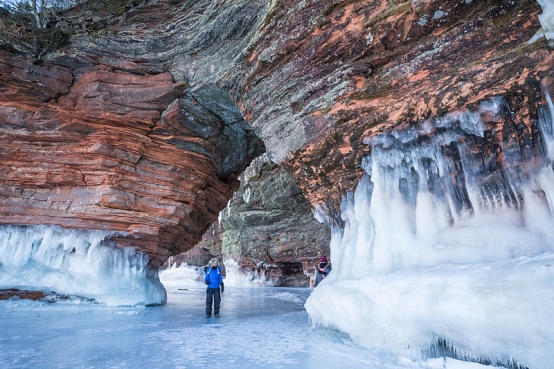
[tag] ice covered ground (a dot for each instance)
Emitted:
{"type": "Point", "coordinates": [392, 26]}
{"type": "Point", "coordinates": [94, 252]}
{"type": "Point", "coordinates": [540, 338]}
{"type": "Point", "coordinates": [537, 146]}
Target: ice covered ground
{"type": "Point", "coordinates": [259, 328]}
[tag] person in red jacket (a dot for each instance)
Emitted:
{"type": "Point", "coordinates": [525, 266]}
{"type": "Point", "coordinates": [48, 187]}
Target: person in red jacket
{"type": "Point", "coordinates": [214, 280]}
{"type": "Point", "coordinates": [322, 270]}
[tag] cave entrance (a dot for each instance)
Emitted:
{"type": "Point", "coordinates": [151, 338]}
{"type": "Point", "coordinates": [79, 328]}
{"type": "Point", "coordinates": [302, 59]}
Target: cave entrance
{"type": "Point", "coordinates": [289, 274]}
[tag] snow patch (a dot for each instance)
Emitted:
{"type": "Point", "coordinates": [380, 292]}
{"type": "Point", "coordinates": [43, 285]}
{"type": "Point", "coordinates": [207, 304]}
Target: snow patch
{"type": "Point", "coordinates": [439, 14]}
{"type": "Point", "coordinates": [287, 296]}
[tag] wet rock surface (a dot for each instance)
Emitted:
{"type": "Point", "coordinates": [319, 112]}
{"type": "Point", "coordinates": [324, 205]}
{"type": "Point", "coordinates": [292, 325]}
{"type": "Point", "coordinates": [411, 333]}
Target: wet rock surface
{"type": "Point", "coordinates": [22, 294]}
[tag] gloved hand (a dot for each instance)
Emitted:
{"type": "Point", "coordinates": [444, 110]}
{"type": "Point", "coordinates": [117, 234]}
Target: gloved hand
{"type": "Point", "coordinates": [222, 287]}
{"type": "Point", "coordinates": [206, 282]}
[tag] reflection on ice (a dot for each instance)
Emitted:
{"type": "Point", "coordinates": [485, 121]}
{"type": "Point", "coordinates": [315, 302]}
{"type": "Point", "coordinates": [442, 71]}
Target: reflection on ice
{"type": "Point", "coordinates": [446, 242]}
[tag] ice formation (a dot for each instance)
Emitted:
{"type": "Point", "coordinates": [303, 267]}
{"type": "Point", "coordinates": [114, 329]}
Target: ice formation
{"type": "Point", "coordinates": [182, 275]}
{"type": "Point", "coordinates": [546, 18]}
{"type": "Point", "coordinates": [246, 195]}
{"type": "Point", "coordinates": [76, 263]}
{"type": "Point", "coordinates": [440, 248]}
{"type": "Point", "coordinates": [237, 277]}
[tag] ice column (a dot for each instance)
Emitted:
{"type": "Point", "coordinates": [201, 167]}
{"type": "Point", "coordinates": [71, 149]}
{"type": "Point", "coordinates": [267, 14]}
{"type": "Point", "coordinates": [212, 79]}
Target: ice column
{"type": "Point", "coordinates": [546, 175]}
{"type": "Point", "coordinates": [246, 195]}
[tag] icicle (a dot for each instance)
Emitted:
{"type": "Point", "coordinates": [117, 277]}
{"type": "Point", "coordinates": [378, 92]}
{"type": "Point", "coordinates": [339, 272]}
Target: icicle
{"type": "Point", "coordinates": [246, 195]}
{"type": "Point", "coordinates": [77, 263]}
{"type": "Point", "coordinates": [545, 177]}
{"type": "Point", "coordinates": [546, 18]}
{"type": "Point", "coordinates": [546, 126]}
{"type": "Point", "coordinates": [424, 184]}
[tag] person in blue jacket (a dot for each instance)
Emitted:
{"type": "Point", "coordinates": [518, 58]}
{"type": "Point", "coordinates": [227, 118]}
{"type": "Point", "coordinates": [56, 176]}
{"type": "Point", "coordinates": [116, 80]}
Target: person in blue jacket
{"type": "Point", "coordinates": [213, 280]}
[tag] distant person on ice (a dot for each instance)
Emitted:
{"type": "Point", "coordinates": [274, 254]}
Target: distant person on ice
{"type": "Point", "coordinates": [213, 280]}
{"type": "Point", "coordinates": [323, 269]}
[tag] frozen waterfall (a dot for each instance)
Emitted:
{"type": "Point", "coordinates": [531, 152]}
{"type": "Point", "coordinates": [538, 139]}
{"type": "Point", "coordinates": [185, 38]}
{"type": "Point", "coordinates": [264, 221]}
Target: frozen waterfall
{"type": "Point", "coordinates": [448, 247]}
{"type": "Point", "coordinates": [76, 263]}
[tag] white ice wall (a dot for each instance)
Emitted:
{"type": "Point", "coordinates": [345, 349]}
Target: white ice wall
{"type": "Point", "coordinates": [416, 263]}
{"type": "Point", "coordinates": [76, 263]}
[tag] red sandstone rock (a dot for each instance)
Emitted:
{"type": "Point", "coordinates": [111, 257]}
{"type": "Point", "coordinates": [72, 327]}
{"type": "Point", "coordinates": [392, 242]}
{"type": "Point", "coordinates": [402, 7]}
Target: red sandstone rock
{"type": "Point", "coordinates": [351, 69]}
{"type": "Point", "coordinates": [86, 154]}
{"type": "Point", "coordinates": [27, 295]}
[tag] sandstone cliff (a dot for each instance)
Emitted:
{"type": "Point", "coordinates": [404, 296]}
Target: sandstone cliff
{"type": "Point", "coordinates": [322, 76]}
{"type": "Point", "coordinates": [319, 79]}
{"type": "Point", "coordinates": [91, 145]}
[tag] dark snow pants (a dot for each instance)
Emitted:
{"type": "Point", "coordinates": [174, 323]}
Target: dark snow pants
{"type": "Point", "coordinates": [212, 296]}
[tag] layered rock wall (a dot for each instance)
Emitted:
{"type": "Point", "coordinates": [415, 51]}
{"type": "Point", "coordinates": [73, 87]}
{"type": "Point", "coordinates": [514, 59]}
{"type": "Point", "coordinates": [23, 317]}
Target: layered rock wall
{"type": "Point", "coordinates": [316, 77]}
{"type": "Point", "coordinates": [320, 78]}
{"type": "Point", "coordinates": [324, 75]}
{"type": "Point", "coordinates": [89, 146]}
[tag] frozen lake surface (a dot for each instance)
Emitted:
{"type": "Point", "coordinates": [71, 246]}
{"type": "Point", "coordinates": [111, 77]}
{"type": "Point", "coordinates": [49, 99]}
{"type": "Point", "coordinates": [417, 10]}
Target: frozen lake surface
{"type": "Point", "coordinates": [258, 328]}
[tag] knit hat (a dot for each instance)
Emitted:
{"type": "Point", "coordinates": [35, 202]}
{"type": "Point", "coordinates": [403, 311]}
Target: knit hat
{"type": "Point", "coordinates": [323, 259]}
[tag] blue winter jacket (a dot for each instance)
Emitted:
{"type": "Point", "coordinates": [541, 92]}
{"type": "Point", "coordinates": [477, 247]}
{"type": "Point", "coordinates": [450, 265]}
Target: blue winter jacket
{"type": "Point", "coordinates": [214, 277]}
